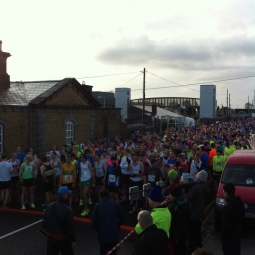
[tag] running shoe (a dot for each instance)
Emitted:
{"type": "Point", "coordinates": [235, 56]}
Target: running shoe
{"type": "Point", "coordinates": [32, 205]}
{"type": "Point", "coordinates": [81, 202]}
{"type": "Point", "coordinates": [88, 210]}
{"type": "Point", "coordinates": [84, 213]}
{"type": "Point", "coordinates": [23, 207]}
{"type": "Point", "coordinates": [90, 202]}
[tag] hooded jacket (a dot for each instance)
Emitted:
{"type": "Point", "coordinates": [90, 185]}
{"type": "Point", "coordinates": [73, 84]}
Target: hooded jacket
{"type": "Point", "coordinates": [161, 217]}
{"type": "Point", "coordinates": [232, 218]}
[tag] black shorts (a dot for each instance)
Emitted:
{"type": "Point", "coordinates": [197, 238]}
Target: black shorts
{"type": "Point", "coordinates": [48, 186]}
{"type": "Point", "coordinates": [113, 189]}
{"type": "Point", "coordinates": [28, 182]}
{"type": "Point", "coordinates": [99, 181]}
{"type": "Point", "coordinates": [125, 178]}
{"type": "Point", "coordinates": [5, 185]}
{"type": "Point", "coordinates": [15, 179]}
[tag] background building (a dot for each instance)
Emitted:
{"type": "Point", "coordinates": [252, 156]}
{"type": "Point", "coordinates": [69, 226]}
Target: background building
{"type": "Point", "coordinates": [122, 100]}
{"type": "Point", "coordinates": [106, 99]}
{"type": "Point", "coordinates": [207, 101]}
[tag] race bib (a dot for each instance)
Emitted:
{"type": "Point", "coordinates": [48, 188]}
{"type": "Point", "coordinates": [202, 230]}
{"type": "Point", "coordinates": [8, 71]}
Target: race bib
{"type": "Point", "coordinates": [29, 170]}
{"type": "Point", "coordinates": [218, 164]}
{"type": "Point", "coordinates": [68, 178]}
{"type": "Point", "coordinates": [112, 178]}
{"type": "Point", "coordinates": [135, 172]}
{"type": "Point", "coordinates": [151, 178]}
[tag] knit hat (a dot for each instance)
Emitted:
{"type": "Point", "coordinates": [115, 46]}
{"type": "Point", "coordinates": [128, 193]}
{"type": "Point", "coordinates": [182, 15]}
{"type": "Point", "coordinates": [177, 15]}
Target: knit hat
{"type": "Point", "coordinates": [202, 176]}
{"type": "Point", "coordinates": [186, 178]}
{"type": "Point", "coordinates": [176, 191]}
{"type": "Point", "coordinates": [156, 194]}
{"type": "Point", "coordinates": [172, 174]}
{"type": "Point", "coordinates": [229, 188]}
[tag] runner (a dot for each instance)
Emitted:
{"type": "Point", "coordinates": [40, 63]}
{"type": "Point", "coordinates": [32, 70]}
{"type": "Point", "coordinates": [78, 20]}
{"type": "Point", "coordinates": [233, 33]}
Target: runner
{"type": "Point", "coordinates": [100, 169]}
{"type": "Point", "coordinates": [152, 174]}
{"type": "Point", "coordinates": [68, 176]}
{"type": "Point", "coordinates": [86, 176]}
{"type": "Point", "coordinates": [113, 176]}
{"type": "Point", "coordinates": [14, 177]}
{"type": "Point", "coordinates": [5, 179]}
{"type": "Point", "coordinates": [49, 179]}
{"type": "Point", "coordinates": [26, 178]}
{"type": "Point", "coordinates": [57, 167]}
{"type": "Point", "coordinates": [136, 169]}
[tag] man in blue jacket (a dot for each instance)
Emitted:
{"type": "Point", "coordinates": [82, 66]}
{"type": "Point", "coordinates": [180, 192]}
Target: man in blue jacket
{"type": "Point", "coordinates": [106, 220]}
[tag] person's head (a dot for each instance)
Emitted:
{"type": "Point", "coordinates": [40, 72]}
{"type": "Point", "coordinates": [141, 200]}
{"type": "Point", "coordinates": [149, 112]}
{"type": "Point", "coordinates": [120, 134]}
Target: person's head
{"type": "Point", "coordinates": [178, 164]}
{"type": "Point", "coordinates": [202, 148]}
{"type": "Point", "coordinates": [227, 144]}
{"type": "Point", "coordinates": [64, 147]}
{"type": "Point", "coordinates": [127, 152]}
{"type": "Point", "coordinates": [166, 167]}
{"type": "Point", "coordinates": [201, 176]}
{"type": "Point", "coordinates": [145, 220]}
{"type": "Point", "coordinates": [141, 157]}
{"type": "Point", "coordinates": [134, 157]}
{"type": "Point", "coordinates": [28, 158]}
{"type": "Point", "coordinates": [44, 159]}
{"type": "Point", "coordinates": [18, 148]}
{"type": "Point", "coordinates": [172, 155]}
{"type": "Point", "coordinates": [53, 155]}
{"type": "Point", "coordinates": [113, 159]}
{"type": "Point", "coordinates": [98, 157]}
{"type": "Point", "coordinates": [63, 192]}
{"type": "Point", "coordinates": [68, 159]}
{"type": "Point", "coordinates": [104, 193]}
{"type": "Point", "coordinates": [229, 189]}
{"type": "Point", "coordinates": [13, 156]}
{"type": "Point", "coordinates": [172, 175]}
{"type": "Point", "coordinates": [155, 196]}
{"type": "Point", "coordinates": [197, 157]}
{"type": "Point", "coordinates": [180, 157]}
{"type": "Point", "coordinates": [213, 145]}
{"type": "Point", "coordinates": [83, 157]}
{"type": "Point", "coordinates": [186, 178]}
{"type": "Point", "coordinates": [202, 251]}
{"type": "Point", "coordinates": [218, 152]}
{"type": "Point", "coordinates": [175, 192]}
{"type": "Point", "coordinates": [153, 163]}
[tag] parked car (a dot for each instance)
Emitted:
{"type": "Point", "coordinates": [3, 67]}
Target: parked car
{"type": "Point", "coordinates": [239, 170]}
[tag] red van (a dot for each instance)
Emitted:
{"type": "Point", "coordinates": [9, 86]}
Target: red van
{"type": "Point", "coordinates": [239, 170]}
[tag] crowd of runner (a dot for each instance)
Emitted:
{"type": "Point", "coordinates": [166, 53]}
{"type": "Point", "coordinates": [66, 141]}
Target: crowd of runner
{"type": "Point", "coordinates": [172, 157]}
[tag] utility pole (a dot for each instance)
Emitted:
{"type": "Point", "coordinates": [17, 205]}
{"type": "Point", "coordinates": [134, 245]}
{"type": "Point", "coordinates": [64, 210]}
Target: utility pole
{"type": "Point", "coordinates": [248, 105]}
{"type": "Point", "coordinates": [227, 102]}
{"type": "Point", "coordinates": [229, 105]}
{"type": "Point", "coordinates": [143, 113]}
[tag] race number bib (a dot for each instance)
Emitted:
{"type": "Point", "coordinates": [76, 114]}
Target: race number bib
{"type": "Point", "coordinates": [218, 164]}
{"type": "Point", "coordinates": [112, 178]}
{"type": "Point", "coordinates": [68, 178]}
{"type": "Point", "coordinates": [135, 172]}
{"type": "Point", "coordinates": [29, 170]}
{"type": "Point", "coordinates": [151, 178]}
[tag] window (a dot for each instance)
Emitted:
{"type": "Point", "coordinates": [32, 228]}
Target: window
{"type": "Point", "coordinates": [1, 138]}
{"type": "Point", "coordinates": [69, 132]}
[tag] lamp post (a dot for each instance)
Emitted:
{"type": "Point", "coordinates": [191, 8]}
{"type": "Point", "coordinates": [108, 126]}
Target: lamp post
{"type": "Point", "coordinates": [103, 98]}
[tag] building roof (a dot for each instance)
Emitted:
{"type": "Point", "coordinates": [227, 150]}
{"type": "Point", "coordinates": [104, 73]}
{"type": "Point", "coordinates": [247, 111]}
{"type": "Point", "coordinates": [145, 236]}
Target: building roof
{"type": "Point", "coordinates": [34, 92]}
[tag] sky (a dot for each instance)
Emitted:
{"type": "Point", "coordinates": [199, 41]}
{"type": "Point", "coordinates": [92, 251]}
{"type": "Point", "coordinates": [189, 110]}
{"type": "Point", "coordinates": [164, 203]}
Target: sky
{"type": "Point", "coordinates": [182, 41]}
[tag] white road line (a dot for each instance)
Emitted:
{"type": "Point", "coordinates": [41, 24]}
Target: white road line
{"type": "Point", "coordinates": [20, 229]}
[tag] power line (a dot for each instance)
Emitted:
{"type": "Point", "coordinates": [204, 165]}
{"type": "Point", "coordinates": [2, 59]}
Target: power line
{"type": "Point", "coordinates": [97, 76]}
{"type": "Point", "coordinates": [131, 79]}
{"type": "Point", "coordinates": [238, 98]}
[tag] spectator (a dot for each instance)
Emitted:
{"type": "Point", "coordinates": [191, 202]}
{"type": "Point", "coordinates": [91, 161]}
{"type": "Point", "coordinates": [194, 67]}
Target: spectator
{"type": "Point", "coordinates": [180, 213]}
{"type": "Point", "coordinates": [197, 198]}
{"type": "Point", "coordinates": [58, 222]}
{"type": "Point", "coordinates": [204, 158]}
{"type": "Point", "coordinates": [232, 218]}
{"type": "Point", "coordinates": [160, 213]}
{"type": "Point", "coordinates": [106, 220]}
{"type": "Point", "coordinates": [152, 240]}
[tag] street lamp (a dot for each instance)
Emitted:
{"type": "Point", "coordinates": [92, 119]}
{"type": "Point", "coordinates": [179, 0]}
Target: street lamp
{"type": "Point", "coordinates": [103, 98]}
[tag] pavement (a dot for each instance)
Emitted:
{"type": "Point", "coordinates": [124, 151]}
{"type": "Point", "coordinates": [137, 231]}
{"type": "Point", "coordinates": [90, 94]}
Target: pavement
{"type": "Point", "coordinates": [20, 232]}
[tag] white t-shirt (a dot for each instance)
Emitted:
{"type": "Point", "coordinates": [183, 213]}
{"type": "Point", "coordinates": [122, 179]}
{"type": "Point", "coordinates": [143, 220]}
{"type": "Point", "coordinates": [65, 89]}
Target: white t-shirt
{"type": "Point", "coordinates": [85, 172]}
{"type": "Point", "coordinates": [5, 171]}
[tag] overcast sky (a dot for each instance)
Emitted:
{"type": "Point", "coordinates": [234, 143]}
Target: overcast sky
{"type": "Point", "coordinates": [182, 41]}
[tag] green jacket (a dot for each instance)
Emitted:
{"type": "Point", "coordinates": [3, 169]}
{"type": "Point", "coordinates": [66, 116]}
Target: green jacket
{"type": "Point", "coordinates": [218, 163]}
{"type": "Point", "coordinates": [161, 218]}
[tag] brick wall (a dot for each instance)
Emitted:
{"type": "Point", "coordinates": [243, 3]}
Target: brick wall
{"type": "Point", "coordinates": [15, 127]}
{"type": "Point", "coordinates": [67, 96]}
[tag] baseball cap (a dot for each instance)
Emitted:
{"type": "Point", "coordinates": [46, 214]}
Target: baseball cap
{"type": "Point", "coordinates": [64, 190]}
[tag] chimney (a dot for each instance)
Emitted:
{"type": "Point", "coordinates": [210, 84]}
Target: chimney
{"type": "Point", "coordinates": [4, 77]}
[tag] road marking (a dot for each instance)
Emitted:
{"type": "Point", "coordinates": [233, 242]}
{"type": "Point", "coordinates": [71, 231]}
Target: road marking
{"type": "Point", "coordinates": [20, 229]}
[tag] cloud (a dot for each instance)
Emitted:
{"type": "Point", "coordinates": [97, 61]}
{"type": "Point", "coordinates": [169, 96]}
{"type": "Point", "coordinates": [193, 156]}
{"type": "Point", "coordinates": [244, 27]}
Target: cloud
{"type": "Point", "coordinates": [201, 54]}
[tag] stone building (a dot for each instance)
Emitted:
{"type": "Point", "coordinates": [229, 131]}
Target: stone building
{"type": "Point", "coordinates": [39, 114]}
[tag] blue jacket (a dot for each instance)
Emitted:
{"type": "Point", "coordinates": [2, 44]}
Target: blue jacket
{"type": "Point", "coordinates": [106, 220]}
{"type": "Point", "coordinates": [205, 160]}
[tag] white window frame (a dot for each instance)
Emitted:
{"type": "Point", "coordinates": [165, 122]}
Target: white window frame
{"type": "Point", "coordinates": [1, 137]}
{"type": "Point", "coordinates": [69, 126]}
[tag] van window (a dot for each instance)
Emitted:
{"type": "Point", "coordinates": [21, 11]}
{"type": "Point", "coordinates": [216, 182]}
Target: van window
{"type": "Point", "coordinates": [240, 175]}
